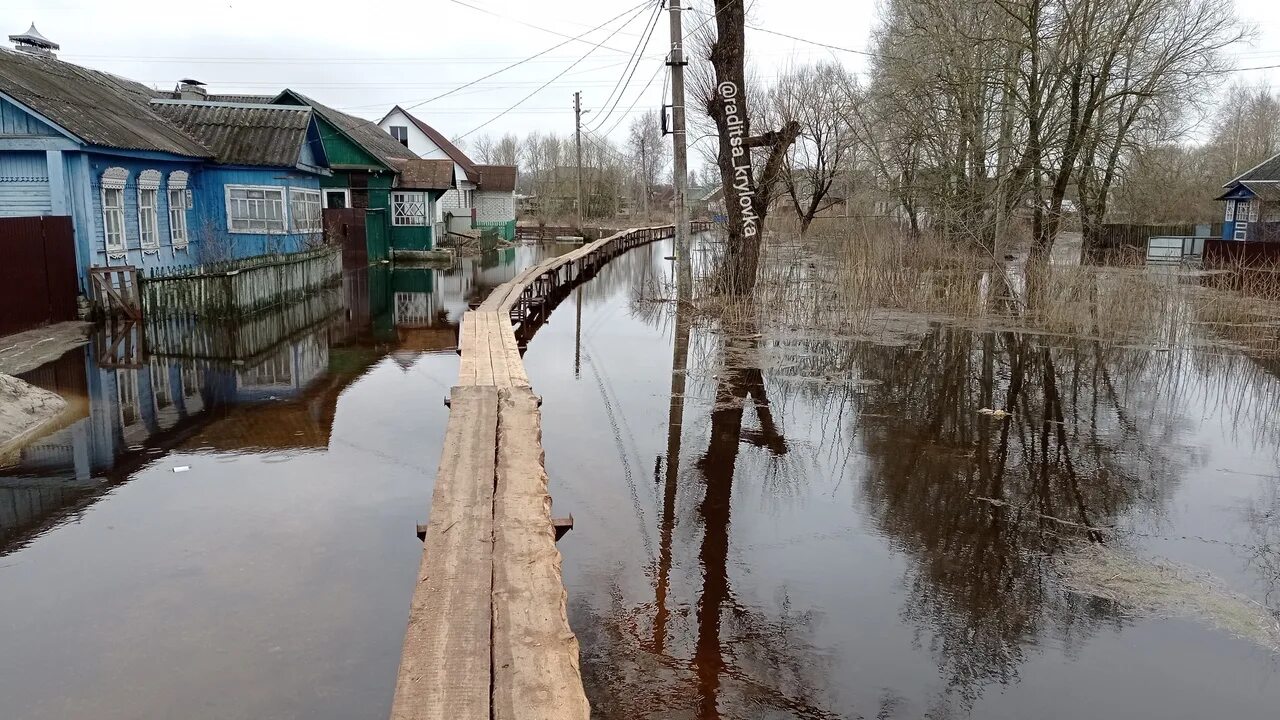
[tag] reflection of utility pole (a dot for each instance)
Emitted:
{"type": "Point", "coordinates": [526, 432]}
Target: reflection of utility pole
{"type": "Point", "coordinates": [675, 431]}
{"type": "Point", "coordinates": [680, 150]}
{"type": "Point", "coordinates": [577, 142]}
{"type": "Point", "coordinates": [577, 338]}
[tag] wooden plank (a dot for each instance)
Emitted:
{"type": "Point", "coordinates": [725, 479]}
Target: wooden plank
{"type": "Point", "coordinates": [484, 362]}
{"type": "Point", "coordinates": [536, 675]}
{"type": "Point", "coordinates": [467, 348]}
{"type": "Point", "coordinates": [445, 670]}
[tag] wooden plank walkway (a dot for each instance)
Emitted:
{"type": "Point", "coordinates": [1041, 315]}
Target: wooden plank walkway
{"type": "Point", "coordinates": [488, 635]}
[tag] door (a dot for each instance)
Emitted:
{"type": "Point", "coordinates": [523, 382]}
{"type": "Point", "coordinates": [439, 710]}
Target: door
{"type": "Point", "coordinates": [1242, 219]}
{"type": "Point", "coordinates": [38, 282]}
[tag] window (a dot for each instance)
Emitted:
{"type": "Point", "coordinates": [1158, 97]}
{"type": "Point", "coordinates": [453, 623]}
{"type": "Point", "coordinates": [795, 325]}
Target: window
{"type": "Point", "coordinates": [255, 209]}
{"type": "Point", "coordinates": [148, 200]}
{"type": "Point", "coordinates": [401, 134]}
{"type": "Point", "coordinates": [113, 181]}
{"type": "Point", "coordinates": [304, 208]}
{"type": "Point", "coordinates": [1254, 206]}
{"type": "Point", "coordinates": [337, 199]}
{"type": "Point", "coordinates": [1231, 211]}
{"type": "Point", "coordinates": [178, 209]}
{"type": "Point", "coordinates": [408, 208]}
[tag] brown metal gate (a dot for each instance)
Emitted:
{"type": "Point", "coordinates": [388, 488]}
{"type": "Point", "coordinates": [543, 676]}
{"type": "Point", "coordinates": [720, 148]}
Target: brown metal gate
{"type": "Point", "coordinates": [37, 272]}
{"type": "Point", "coordinates": [346, 226]}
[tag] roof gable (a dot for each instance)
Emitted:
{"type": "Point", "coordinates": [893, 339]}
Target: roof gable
{"type": "Point", "coordinates": [245, 134]}
{"type": "Point", "coordinates": [442, 142]}
{"type": "Point", "coordinates": [370, 139]}
{"type": "Point", "coordinates": [94, 107]}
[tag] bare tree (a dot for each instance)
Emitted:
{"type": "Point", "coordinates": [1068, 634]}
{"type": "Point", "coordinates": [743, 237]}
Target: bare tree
{"type": "Point", "coordinates": [649, 153]}
{"type": "Point", "coordinates": [815, 97]}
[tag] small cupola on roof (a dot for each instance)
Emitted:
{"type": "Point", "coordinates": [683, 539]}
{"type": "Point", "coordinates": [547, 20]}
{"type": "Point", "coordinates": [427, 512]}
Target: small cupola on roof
{"type": "Point", "coordinates": [34, 43]}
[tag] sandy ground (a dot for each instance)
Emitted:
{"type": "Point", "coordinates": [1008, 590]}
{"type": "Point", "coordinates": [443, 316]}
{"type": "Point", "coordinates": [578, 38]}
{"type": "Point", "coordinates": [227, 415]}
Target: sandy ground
{"type": "Point", "coordinates": [29, 350]}
{"type": "Point", "coordinates": [24, 411]}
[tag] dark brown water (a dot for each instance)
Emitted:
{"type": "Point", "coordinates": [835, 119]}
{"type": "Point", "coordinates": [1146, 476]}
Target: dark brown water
{"type": "Point", "coordinates": [795, 526]}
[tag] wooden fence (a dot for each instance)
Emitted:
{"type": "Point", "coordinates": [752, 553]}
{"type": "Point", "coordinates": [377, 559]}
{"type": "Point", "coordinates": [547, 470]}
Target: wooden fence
{"type": "Point", "coordinates": [38, 272]}
{"type": "Point", "coordinates": [239, 339]}
{"type": "Point", "coordinates": [238, 287]}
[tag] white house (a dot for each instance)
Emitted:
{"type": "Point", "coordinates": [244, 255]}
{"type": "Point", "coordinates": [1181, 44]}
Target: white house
{"type": "Point", "coordinates": [484, 195]}
{"type": "Point", "coordinates": [425, 142]}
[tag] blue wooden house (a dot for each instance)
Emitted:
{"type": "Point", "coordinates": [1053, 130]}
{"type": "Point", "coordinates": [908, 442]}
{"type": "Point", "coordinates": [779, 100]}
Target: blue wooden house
{"type": "Point", "coordinates": [1253, 204]}
{"type": "Point", "coordinates": [147, 182]}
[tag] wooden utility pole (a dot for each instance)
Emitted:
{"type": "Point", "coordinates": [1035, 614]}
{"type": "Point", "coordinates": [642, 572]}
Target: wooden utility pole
{"type": "Point", "coordinates": [577, 141]}
{"type": "Point", "coordinates": [680, 155]}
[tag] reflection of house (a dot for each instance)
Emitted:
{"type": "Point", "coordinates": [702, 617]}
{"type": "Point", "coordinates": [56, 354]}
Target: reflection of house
{"type": "Point", "coordinates": [481, 194]}
{"type": "Point", "coordinates": [1253, 204]}
{"type": "Point", "coordinates": [146, 180]}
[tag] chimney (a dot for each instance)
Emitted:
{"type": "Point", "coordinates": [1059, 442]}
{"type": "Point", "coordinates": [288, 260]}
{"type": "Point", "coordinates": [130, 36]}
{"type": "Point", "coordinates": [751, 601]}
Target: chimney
{"type": "Point", "coordinates": [32, 42]}
{"type": "Point", "coordinates": [189, 89]}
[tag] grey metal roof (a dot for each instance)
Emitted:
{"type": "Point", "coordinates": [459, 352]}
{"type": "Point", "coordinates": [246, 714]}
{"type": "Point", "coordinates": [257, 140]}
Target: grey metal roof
{"type": "Point", "coordinates": [96, 107]}
{"type": "Point", "coordinates": [240, 133]}
{"type": "Point", "coordinates": [1263, 190]}
{"type": "Point", "coordinates": [1267, 170]}
{"type": "Point", "coordinates": [363, 132]}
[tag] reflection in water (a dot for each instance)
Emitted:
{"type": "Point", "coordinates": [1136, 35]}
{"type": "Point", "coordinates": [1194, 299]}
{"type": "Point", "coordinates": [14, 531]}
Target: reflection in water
{"type": "Point", "coordinates": [841, 532]}
{"type": "Point", "coordinates": [271, 577]}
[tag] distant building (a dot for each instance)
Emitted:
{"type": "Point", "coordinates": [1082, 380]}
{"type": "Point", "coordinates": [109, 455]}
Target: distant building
{"type": "Point", "coordinates": [1253, 204]}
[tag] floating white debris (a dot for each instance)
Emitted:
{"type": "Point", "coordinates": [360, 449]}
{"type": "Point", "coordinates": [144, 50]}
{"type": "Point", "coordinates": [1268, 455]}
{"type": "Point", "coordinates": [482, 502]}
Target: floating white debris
{"type": "Point", "coordinates": [997, 414]}
{"type": "Point", "coordinates": [182, 468]}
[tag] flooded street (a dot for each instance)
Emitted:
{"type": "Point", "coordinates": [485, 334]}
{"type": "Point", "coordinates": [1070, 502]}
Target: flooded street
{"type": "Point", "coordinates": [797, 525]}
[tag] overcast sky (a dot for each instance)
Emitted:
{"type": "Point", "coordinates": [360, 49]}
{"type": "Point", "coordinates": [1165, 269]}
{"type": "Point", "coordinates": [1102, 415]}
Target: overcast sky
{"type": "Point", "coordinates": [364, 57]}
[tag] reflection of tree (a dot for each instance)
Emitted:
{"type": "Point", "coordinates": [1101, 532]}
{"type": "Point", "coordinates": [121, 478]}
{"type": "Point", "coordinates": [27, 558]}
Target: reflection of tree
{"type": "Point", "coordinates": [980, 503]}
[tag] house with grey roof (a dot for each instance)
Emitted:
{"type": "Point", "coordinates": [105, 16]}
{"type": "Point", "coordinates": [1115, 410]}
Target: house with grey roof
{"type": "Point", "coordinates": [483, 196]}
{"type": "Point", "coordinates": [150, 181]}
{"type": "Point", "coordinates": [1253, 204]}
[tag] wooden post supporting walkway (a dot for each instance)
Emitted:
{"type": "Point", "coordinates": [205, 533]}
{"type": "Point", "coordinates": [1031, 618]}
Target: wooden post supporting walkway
{"type": "Point", "coordinates": [488, 635]}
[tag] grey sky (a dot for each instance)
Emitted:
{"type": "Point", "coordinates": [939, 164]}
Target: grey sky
{"type": "Point", "coordinates": [367, 61]}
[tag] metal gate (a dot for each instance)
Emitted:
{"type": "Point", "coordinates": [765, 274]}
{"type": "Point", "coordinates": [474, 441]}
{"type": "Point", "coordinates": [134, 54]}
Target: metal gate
{"type": "Point", "coordinates": [37, 272]}
{"type": "Point", "coordinates": [345, 226]}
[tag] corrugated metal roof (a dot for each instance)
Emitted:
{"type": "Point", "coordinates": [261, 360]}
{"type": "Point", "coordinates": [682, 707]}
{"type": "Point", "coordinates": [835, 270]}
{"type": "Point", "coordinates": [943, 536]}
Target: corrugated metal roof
{"type": "Point", "coordinates": [422, 174]}
{"type": "Point", "coordinates": [363, 132]}
{"type": "Point", "coordinates": [468, 167]}
{"type": "Point", "coordinates": [242, 134]}
{"type": "Point", "coordinates": [1267, 170]}
{"type": "Point", "coordinates": [499, 178]}
{"type": "Point", "coordinates": [96, 107]}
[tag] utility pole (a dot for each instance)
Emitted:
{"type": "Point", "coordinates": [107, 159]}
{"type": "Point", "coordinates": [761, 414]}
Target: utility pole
{"type": "Point", "coordinates": [577, 141]}
{"type": "Point", "coordinates": [680, 156]}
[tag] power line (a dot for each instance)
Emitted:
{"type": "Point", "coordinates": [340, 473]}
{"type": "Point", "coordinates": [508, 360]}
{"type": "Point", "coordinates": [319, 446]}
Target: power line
{"type": "Point", "coordinates": [594, 47]}
{"type": "Point", "coordinates": [633, 102]}
{"type": "Point", "coordinates": [620, 86]}
{"type": "Point", "coordinates": [529, 24]}
{"type": "Point", "coordinates": [561, 73]}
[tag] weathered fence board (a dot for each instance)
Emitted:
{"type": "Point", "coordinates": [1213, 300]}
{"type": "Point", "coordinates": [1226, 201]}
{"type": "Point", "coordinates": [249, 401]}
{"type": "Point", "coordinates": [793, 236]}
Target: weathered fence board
{"type": "Point", "coordinates": [241, 286]}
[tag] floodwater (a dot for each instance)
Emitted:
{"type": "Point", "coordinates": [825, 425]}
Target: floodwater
{"type": "Point", "coordinates": [794, 526]}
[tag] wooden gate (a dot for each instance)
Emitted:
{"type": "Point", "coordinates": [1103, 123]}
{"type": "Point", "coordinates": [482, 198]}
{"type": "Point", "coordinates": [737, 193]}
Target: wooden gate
{"type": "Point", "coordinates": [37, 272]}
{"type": "Point", "coordinates": [345, 227]}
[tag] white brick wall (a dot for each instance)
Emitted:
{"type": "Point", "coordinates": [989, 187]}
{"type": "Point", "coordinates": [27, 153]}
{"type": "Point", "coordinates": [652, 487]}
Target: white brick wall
{"type": "Point", "coordinates": [495, 206]}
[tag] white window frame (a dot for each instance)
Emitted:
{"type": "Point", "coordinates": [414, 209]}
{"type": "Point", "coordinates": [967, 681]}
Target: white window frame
{"type": "Point", "coordinates": [284, 209]}
{"type": "Point", "coordinates": [1231, 211]}
{"type": "Point", "coordinates": [148, 210]}
{"type": "Point", "coordinates": [400, 199]}
{"type": "Point", "coordinates": [114, 179]}
{"type": "Point", "coordinates": [179, 235]}
{"type": "Point", "coordinates": [404, 140]}
{"type": "Point", "coordinates": [346, 196]}
{"type": "Point", "coordinates": [316, 201]}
